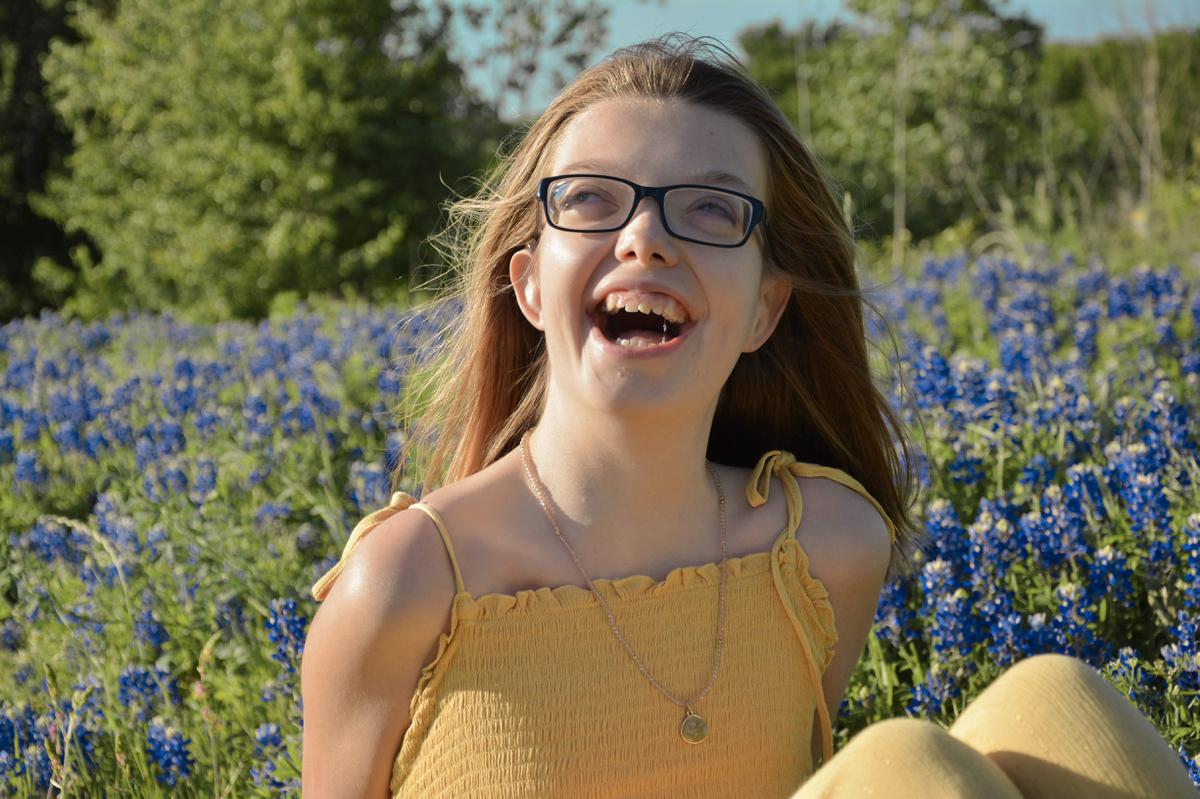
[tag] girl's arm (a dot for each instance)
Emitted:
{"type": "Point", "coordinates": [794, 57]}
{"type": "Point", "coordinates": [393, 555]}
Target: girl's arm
{"type": "Point", "coordinates": [851, 558]}
{"type": "Point", "coordinates": [363, 655]}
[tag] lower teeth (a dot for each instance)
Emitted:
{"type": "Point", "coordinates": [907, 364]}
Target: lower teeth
{"type": "Point", "coordinates": [642, 343]}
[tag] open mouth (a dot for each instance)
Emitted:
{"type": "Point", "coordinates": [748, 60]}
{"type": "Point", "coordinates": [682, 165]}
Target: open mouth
{"type": "Point", "coordinates": [637, 329]}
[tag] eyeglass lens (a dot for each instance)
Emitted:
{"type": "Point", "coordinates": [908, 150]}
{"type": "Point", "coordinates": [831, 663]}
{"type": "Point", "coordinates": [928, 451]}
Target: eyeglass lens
{"type": "Point", "coordinates": [595, 203]}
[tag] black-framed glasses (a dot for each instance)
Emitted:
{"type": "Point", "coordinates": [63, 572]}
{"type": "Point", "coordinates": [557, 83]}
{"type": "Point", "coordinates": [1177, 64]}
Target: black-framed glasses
{"type": "Point", "coordinates": [691, 212]}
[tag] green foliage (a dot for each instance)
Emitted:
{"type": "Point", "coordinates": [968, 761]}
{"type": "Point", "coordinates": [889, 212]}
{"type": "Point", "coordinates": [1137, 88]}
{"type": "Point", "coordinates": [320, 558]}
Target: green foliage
{"type": "Point", "coordinates": [31, 139]}
{"type": "Point", "coordinates": [952, 83]}
{"type": "Point", "coordinates": [227, 151]}
{"type": "Point", "coordinates": [956, 121]}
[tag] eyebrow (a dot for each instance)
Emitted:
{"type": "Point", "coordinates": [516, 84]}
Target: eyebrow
{"type": "Point", "coordinates": [713, 176]}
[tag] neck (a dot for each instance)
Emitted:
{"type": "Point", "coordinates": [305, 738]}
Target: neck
{"type": "Point", "coordinates": [620, 481]}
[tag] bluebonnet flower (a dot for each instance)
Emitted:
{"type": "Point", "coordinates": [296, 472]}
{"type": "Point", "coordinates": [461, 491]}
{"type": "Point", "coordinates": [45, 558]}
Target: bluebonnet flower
{"type": "Point", "coordinates": [388, 383]}
{"type": "Point", "coordinates": [1086, 349]}
{"type": "Point", "coordinates": [1182, 655]}
{"type": "Point", "coordinates": [204, 482]}
{"type": "Point", "coordinates": [1192, 764]}
{"type": "Point", "coordinates": [269, 511]}
{"type": "Point", "coordinates": [173, 480]}
{"type": "Point", "coordinates": [1054, 532]}
{"type": "Point", "coordinates": [938, 688]}
{"type": "Point", "coordinates": [150, 631]}
{"type": "Point", "coordinates": [1109, 574]}
{"type": "Point", "coordinates": [893, 618]}
{"type": "Point", "coordinates": [965, 468]}
{"type": "Point", "coordinates": [268, 747]}
{"type": "Point", "coordinates": [29, 470]}
{"type": "Point", "coordinates": [1073, 626]}
{"type": "Point", "coordinates": [955, 628]}
{"type": "Point", "coordinates": [254, 411]}
{"type": "Point", "coordinates": [932, 382]}
{"type": "Point", "coordinates": [1004, 636]}
{"type": "Point", "coordinates": [66, 435]}
{"type": "Point", "coordinates": [33, 422]}
{"type": "Point", "coordinates": [1126, 670]}
{"type": "Point", "coordinates": [1190, 547]}
{"type": "Point", "coordinates": [297, 420]}
{"type": "Point", "coordinates": [52, 541]}
{"type": "Point", "coordinates": [24, 732]}
{"type": "Point", "coordinates": [180, 396]}
{"type": "Point", "coordinates": [369, 486]}
{"type": "Point", "coordinates": [1037, 471]}
{"type": "Point", "coordinates": [1121, 300]}
{"type": "Point", "coordinates": [946, 535]}
{"type": "Point", "coordinates": [286, 627]}
{"type": "Point", "coordinates": [312, 397]}
{"type": "Point", "coordinates": [1082, 489]}
{"type": "Point", "coordinates": [1034, 636]}
{"type": "Point", "coordinates": [95, 444]}
{"type": "Point", "coordinates": [994, 544]}
{"type": "Point", "coordinates": [169, 750]}
{"type": "Point", "coordinates": [145, 690]}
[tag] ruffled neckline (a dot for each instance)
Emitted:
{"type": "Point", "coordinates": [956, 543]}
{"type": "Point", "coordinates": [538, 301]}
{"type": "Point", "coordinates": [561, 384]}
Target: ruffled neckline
{"type": "Point", "coordinates": [528, 603]}
{"type": "Point", "coordinates": [631, 588]}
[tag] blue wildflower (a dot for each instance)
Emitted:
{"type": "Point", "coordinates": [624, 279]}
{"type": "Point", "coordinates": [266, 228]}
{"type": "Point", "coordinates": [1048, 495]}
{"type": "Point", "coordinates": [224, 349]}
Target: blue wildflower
{"type": "Point", "coordinates": [169, 750]}
{"type": "Point", "coordinates": [145, 690]}
{"type": "Point", "coordinates": [286, 626]}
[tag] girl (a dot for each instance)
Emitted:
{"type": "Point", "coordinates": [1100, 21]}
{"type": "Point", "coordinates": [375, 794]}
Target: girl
{"type": "Point", "coordinates": [672, 488]}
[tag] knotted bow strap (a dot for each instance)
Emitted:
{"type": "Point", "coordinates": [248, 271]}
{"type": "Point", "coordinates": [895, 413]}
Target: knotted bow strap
{"type": "Point", "coordinates": [759, 486]}
{"type": "Point", "coordinates": [400, 500]}
{"type": "Point", "coordinates": [778, 461]}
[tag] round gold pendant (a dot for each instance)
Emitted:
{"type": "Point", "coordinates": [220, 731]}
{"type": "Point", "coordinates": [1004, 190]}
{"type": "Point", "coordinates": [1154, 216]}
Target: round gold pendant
{"type": "Point", "coordinates": [694, 728]}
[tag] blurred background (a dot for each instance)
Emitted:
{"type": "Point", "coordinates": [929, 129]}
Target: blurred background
{"type": "Point", "coordinates": [220, 159]}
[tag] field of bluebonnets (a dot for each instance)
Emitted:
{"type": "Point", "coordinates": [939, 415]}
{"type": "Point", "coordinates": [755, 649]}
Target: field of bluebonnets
{"type": "Point", "coordinates": [172, 491]}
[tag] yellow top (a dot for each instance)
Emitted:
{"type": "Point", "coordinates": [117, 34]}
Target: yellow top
{"type": "Point", "coordinates": [531, 695]}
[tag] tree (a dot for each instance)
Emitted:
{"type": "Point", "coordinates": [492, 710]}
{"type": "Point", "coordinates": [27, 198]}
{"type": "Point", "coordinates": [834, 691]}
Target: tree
{"type": "Point", "coordinates": [917, 107]}
{"type": "Point", "coordinates": [32, 139]}
{"type": "Point", "coordinates": [532, 37]}
{"type": "Point", "coordinates": [229, 149]}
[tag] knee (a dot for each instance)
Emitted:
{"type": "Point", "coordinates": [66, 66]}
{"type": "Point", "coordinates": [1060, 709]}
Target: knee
{"type": "Point", "coordinates": [900, 738]}
{"type": "Point", "coordinates": [1055, 670]}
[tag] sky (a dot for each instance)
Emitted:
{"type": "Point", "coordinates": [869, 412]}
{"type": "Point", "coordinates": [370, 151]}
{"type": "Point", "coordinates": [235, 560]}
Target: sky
{"type": "Point", "coordinates": [630, 21]}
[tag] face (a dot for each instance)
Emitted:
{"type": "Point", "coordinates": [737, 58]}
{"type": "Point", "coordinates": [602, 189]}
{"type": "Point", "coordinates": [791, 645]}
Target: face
{"type": "Point", "coordinates": [565, 283]}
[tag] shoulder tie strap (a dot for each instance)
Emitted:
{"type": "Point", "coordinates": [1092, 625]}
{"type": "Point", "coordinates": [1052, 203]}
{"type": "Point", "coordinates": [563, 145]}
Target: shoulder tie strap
{"type": "Point", "coordinates": [399, 501]}
{"type": "Point", "coordinates": [779, 462]}
{"type": "Point", "coordinates": [784, 465]}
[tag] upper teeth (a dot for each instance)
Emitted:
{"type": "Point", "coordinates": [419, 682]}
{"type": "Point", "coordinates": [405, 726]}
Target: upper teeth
{"type": "Point", "coordinates": [660, 304]}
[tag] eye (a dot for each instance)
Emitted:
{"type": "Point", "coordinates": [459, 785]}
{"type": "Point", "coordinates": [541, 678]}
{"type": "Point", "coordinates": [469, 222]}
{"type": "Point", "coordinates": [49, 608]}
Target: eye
{"type": "Point", "coordinates": [578, 197]}
{"type": "Point", "coordinates": [568, 196]}
{"type": "Point", "coordinates": [715, 205]}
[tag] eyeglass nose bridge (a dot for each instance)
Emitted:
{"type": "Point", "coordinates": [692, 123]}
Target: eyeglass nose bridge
{"type": "Point", "coordinates": [656, 193]}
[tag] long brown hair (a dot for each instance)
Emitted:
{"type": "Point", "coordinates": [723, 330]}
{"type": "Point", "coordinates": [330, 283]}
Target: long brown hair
{"type": "Point", "coordinates": [808, 389]}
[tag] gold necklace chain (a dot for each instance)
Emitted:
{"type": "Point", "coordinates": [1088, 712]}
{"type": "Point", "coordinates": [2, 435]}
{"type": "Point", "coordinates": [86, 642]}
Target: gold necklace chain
{"type": "Point", "coordinates": [694, 728]}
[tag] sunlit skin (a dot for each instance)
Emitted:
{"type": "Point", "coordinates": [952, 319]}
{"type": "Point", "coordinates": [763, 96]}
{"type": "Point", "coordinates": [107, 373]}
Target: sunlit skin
{"type": "Point", "coordinates": [621, 445]}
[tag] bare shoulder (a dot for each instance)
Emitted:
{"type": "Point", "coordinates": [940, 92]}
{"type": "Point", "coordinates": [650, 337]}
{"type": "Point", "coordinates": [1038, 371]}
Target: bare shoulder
{"type": "Point", "coordinates": [365, 649]}
{"type": "Point", "coordinates": [842, 532]}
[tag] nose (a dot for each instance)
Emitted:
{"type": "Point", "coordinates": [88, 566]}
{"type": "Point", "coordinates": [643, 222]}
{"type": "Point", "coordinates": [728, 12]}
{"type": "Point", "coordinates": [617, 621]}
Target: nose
{"type": "Point", "coordinates": [645, 238]}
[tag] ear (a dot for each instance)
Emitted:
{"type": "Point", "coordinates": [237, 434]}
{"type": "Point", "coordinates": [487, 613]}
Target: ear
{"type": "Point", "coordinates": [523, 274]}
{"type": "Point", "coordinates": [773, 299]}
